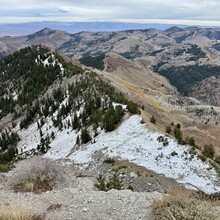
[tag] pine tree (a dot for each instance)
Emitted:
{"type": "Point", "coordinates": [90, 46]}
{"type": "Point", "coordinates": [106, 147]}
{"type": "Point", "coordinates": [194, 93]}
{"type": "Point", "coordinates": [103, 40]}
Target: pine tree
{"type": "Point", "coordinates": [85, 137]}
{"type": "Point", "coordinates": [75, 122]}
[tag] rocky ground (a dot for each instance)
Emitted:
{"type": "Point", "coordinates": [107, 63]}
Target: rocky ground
{"type": "Point", "coordinates": [81, 201]}
{"type": "Point", "coordinates": [77, 197]}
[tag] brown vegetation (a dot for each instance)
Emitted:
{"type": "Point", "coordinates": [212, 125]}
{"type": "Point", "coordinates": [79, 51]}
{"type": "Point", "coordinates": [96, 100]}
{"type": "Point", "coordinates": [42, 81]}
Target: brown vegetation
{"type": "Point", "coordinates": [180, 204]}
{"type": "Point", "coordinates": [36, 175]}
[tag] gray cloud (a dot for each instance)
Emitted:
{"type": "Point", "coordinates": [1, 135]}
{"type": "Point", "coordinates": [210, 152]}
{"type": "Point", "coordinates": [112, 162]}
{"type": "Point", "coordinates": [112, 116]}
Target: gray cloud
{"type": "Point", "coordinates": [129, 10]}
{"type": "Point", "coordinates": [64, 9]}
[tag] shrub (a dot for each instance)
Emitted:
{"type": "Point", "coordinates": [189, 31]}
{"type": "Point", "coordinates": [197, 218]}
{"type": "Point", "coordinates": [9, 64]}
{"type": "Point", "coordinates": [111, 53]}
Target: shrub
{"type": "Point", "coordinates": [182, 206]}
{"type": "Point", "coordinates": [202, 157]}
{"type": "Point", "coordinates": [160, 139]}
{"type": "Point", "coordinates": [217, 159]}
{"type": "Point", "coordinates": [36, 175]}
{"type": "Point", "coordinates": [8, 155]}
{"type": "Point", "coordinates": [215, 166]}
{"type": "Point", "coordinates": [168, 129]}
{"type": "Point", "coordinates": [132, 107]}
{"type": "Point", "coordinates": [114, 182]}
{"type": "Point", "coordinates": [209, 151]}
{"type": "Point", "coordinates": [190, 141]}
{"type": "Point", "coordinates": [131, 188]}
{"type": "Point", "coordinates": [4, 167]}
{"type": "Point", "coordinates": [85, 137]}
{"type": "Point", "coordinates": [178, 126]}
{"type": "Point", "coordinates": [109, 160]}
{"type": "Point", "coordinates": [152, 119]}
{"type": "Point", "coordinates": [174, 153]}
{"type": "Point", "coordinates": [165, 142]}
{"type": "Point", "coordinates": [178, 135]}
{"type": "Point", "coordinates": [101, 185]}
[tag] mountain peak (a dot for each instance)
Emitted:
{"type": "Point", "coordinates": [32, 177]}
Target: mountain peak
{"type": "Point", "coordinates": [47, 30]}
{"type": "Point", "coordinates": [42, 33]}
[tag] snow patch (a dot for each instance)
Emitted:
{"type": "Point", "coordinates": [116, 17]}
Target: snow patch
{"type": "Point", "coordinates": [118, 104]}
{"type": "Point", "coordinates": [131, 141]}
{"type": "Point", "coordinates": [134, 142]}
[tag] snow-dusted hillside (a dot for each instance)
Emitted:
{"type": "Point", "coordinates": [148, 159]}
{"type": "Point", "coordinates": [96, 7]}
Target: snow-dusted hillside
{"type": "Point", "coordinates": [133, 141]}
{"type": "Point", "coordinates": [60, 107]}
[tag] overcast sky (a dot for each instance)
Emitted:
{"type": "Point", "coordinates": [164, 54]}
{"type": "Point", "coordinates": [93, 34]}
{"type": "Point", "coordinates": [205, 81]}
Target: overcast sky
{"type": "Point", "coordinates": [200, 12]}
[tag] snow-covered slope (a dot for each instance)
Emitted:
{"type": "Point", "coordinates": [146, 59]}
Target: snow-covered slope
{"type": "Point", "coordinates": [51, 115]}
{"type": "Point", "coordinates": [133, 141]}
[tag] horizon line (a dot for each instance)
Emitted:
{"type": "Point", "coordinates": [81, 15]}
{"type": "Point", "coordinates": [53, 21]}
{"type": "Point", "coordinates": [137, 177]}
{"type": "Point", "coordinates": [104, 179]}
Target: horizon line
{"type": "Point", "coordinates": [128, 21]}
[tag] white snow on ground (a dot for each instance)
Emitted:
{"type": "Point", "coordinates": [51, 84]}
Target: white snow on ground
{"type": "Point", "coordinates": [62, 145]}
{"type": "Point", "coordinates": [46, 62]}
{"type": "Point", "coordinates": [133, 141]}
{"type": "Point", "coordinates": [118, 104]}
{"type": "Point", "coordinates": [15, 96]}
{"type": "Point", "coordinates": [30, 138]}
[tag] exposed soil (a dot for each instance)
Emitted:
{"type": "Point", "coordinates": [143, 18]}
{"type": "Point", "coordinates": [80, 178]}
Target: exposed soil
{"type": "Point", "coordinates": [78, 198]}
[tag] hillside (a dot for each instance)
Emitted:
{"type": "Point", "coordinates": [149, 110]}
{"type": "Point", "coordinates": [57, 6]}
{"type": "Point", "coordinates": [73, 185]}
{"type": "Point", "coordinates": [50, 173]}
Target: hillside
{"type": "Point", "coordinates": [157, 97]}
{"type": "Point", "coordinates": [124, 124]}
{"type": "Point", "coordinates": [39, 88]}
{"type": "Point", "coordinates": [48, 37]}
{"type": "Point", "coordinates": [207, 91]}
{"type": "Point", "coordinates": [185, 56]}
{"type": "Point", "coordinates": [62, 110]}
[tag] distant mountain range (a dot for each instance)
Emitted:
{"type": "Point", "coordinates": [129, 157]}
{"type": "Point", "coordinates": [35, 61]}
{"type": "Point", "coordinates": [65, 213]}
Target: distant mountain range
{"type": "Point", "coordinates": [74, 27]}
{"type": "Point", "coordinates": [185, 56]}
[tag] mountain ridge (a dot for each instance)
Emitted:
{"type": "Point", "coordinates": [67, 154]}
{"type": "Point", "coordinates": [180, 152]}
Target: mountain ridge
{"type": "Point", "coordinates": [111, 118]}
{"type": "Point", "coordinates": [15, 29]}
{"type": "Point", "coordinates": [154, 55]}
{"type": "Point", "coordinates": [84, 115]}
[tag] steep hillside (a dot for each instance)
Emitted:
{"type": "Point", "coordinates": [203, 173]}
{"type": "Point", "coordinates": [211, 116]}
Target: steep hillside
{"type": "Point", "coordinates": [40, 90]}
{"type": "Point", "coordinates": [186, 65]}
{"type": "Point", "coordinates": [137, 43]}
{"type": "Point", "coordinates": [151, 89]}
{"type": "Point", "coordinates": [207, 91]}
{"type": "Point", "coordinates": [157, 97]}
{"type": "Point", "coordinates": [185, 56]}
{"type": "Point", "coordinates": [51, 107]}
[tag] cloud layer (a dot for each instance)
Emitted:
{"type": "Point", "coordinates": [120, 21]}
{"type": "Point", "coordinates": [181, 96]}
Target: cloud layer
{"type": "Point", "coordinates": [203, 11]}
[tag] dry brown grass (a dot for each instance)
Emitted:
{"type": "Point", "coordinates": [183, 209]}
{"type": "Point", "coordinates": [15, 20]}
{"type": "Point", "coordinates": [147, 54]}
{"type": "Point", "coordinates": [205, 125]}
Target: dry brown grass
{"type": "Point", "coordinates": [180, 204]}
{"type": "Point", "coordinates": [11, 213]}
{"type": "Point", "coordinates": [36, 175]}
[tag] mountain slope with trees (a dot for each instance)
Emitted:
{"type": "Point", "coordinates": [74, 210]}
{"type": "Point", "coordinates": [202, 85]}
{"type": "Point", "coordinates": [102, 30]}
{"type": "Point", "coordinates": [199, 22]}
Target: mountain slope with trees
{"type": "Point", "coordinates": [189, 54]}
{"type": "Point", "coordinates": [38, 87]}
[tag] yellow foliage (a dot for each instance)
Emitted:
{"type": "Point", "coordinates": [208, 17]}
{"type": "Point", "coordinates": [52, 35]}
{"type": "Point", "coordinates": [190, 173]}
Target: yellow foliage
{"type": "Point", "coordinates": [133, 88]}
